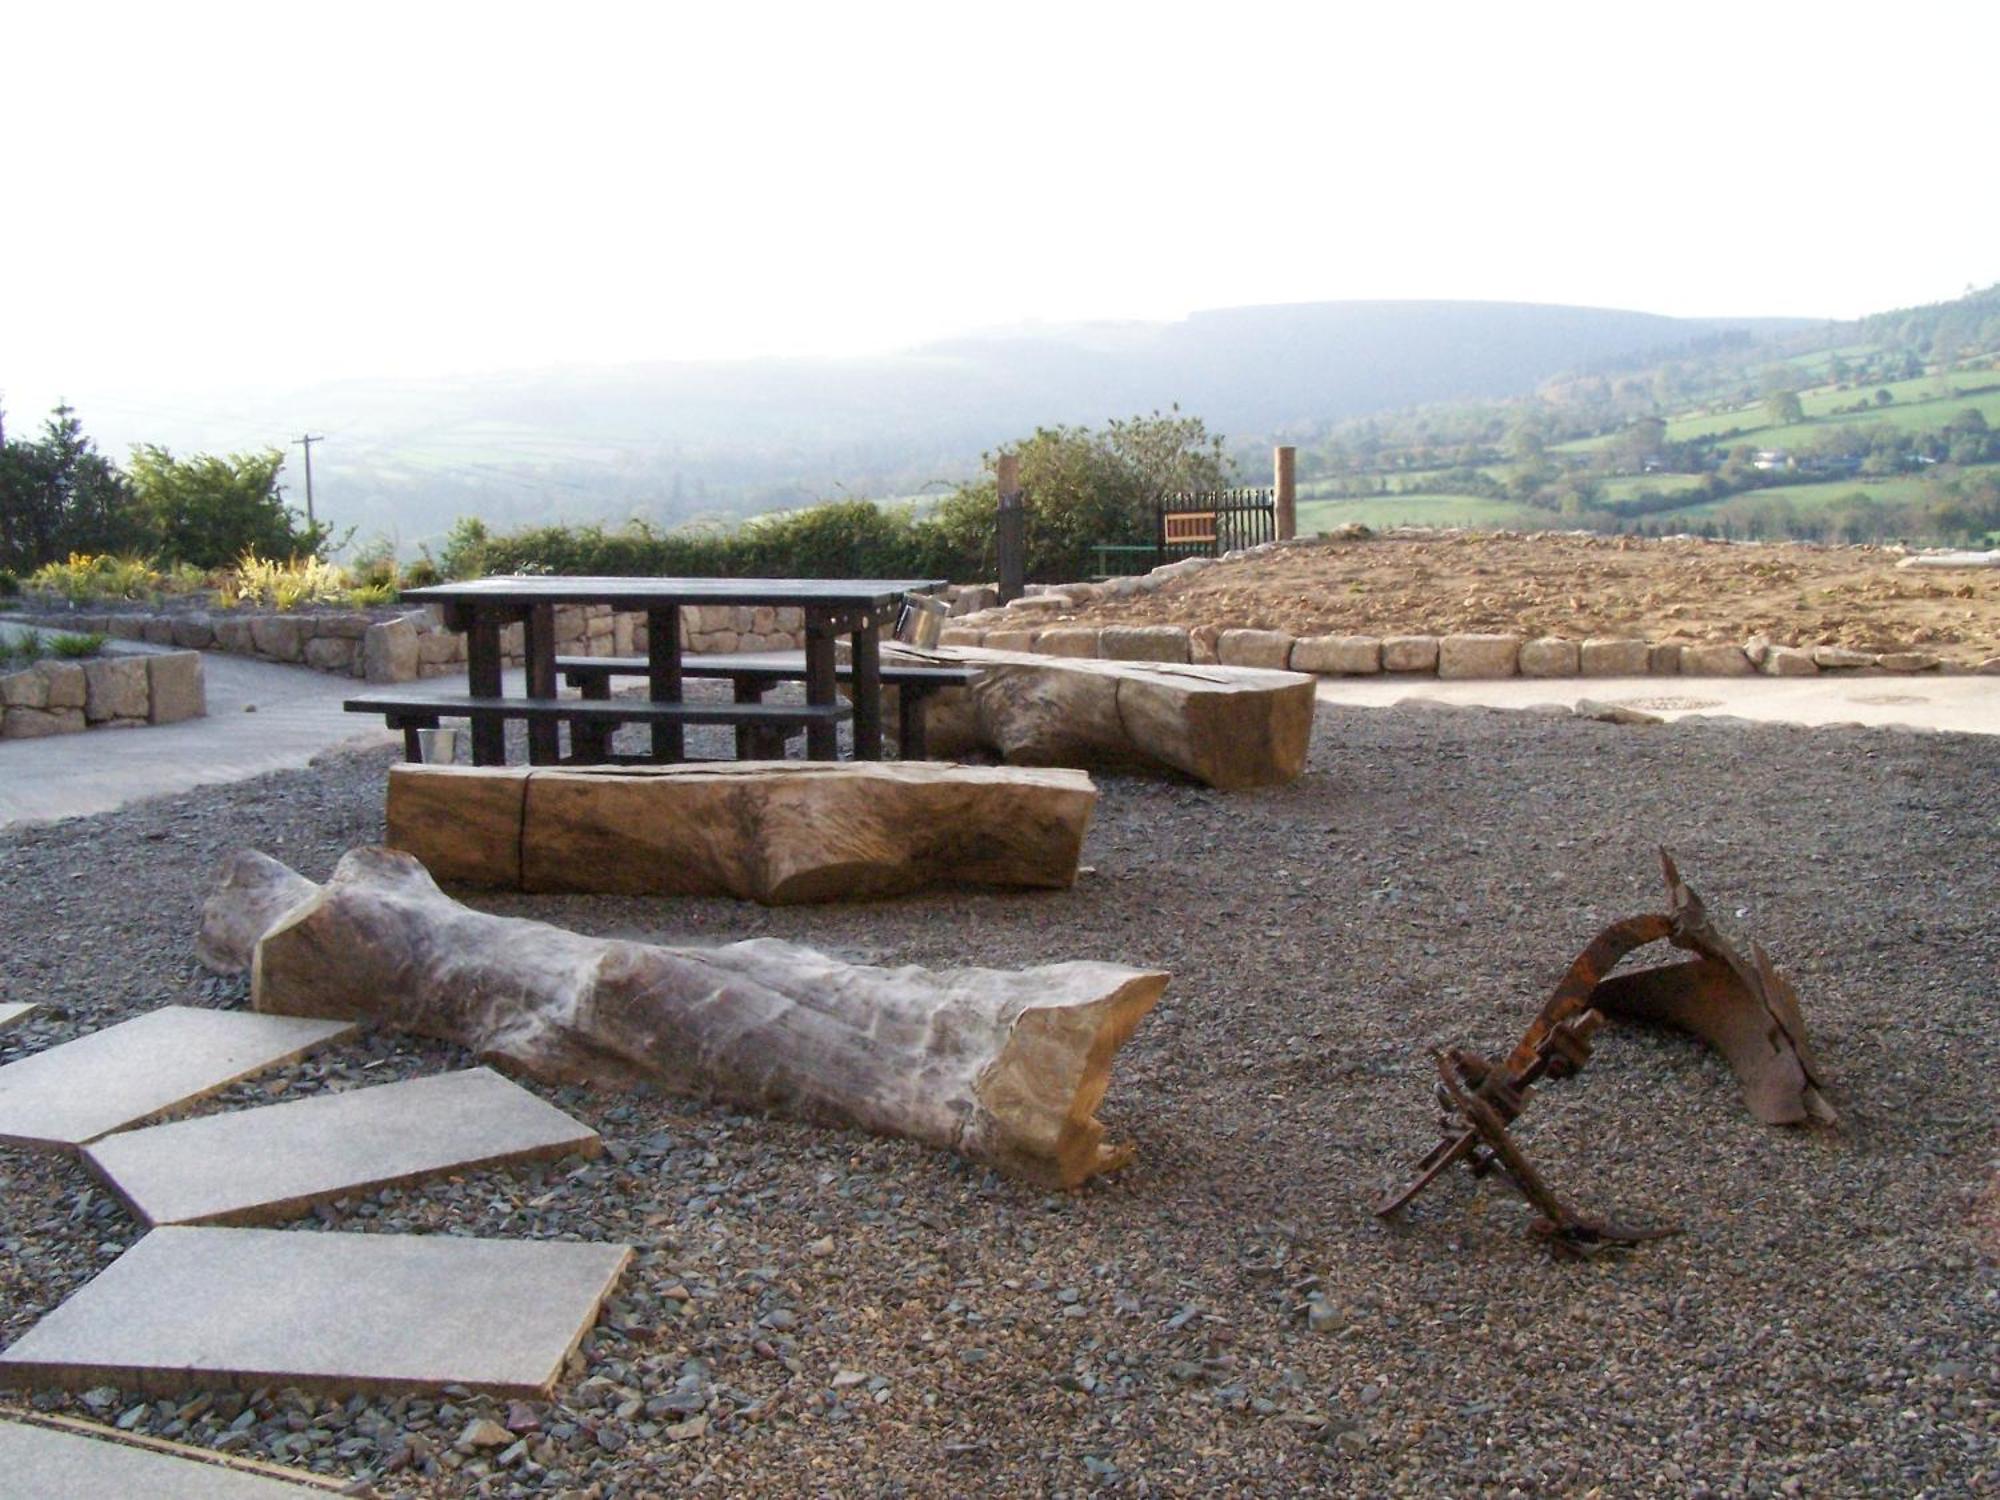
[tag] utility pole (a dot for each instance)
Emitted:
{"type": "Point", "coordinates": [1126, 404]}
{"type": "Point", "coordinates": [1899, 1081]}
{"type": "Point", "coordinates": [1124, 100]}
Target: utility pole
{"type": "Point", "coordinates": [306, 441]}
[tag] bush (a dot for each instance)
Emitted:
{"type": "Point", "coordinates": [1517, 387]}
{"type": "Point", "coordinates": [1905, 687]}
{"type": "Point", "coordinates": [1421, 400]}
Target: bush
{"type": "Point", "coordinates": [283, 585]}
{"type": "Point", "coordinates": [10, 585]}
{"type": "Point", "coordinates": [97, 576]}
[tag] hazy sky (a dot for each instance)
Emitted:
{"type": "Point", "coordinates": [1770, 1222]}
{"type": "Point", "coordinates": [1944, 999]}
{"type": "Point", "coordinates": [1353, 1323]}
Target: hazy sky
{"type": "Point", "coordinates": [201, 195]}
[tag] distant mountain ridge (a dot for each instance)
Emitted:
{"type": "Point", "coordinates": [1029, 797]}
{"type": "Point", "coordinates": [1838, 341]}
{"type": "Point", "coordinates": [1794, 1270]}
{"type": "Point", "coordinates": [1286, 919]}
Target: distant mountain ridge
{"type": "Point", "coordinates": [670, 441]}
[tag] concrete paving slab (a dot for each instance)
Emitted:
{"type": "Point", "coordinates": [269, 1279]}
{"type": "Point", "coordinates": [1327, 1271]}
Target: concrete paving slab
{"type": "Point", "coordinates": [1962, 704]}
{"type": "Point", "coordinates": [194, 1309]}
{"type": "Point", "coordinates": [73, 1093]}
{"type": "Point", "coordinates": [259, 1166]}
{"type": "Point", "coordinates": [53, 1465]}
{"type": "Point", "coordinates": [12, 1011]}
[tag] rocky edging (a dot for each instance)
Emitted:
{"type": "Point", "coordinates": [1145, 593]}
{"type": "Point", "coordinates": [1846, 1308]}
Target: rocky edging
{"type": "Point", "coordinates": [1035, 622]}
{"type": "Point", "coordinates": [107, 692]}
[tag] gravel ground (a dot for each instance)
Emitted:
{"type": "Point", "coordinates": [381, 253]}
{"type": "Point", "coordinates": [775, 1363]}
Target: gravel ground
{"type": "Point", "coordinates": [818, 1312]}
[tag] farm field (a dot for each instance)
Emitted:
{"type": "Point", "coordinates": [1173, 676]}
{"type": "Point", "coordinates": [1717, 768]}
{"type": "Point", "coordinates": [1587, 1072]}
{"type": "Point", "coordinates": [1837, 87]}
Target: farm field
{"type": "Point", "coordinates": [1380, 511]}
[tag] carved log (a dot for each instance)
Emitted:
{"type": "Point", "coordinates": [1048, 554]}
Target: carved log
{"type": "Point", "coordinates": [1004, 1067]}
{"type": "Point", "coordinates": [255, 891]}
{"type": "Point", "coordinates": [779, 832]}
{"type": "Point", "coordinates": [1231, 727]}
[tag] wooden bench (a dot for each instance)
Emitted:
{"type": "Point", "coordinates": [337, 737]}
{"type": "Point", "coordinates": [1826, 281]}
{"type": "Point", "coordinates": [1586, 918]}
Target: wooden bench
{"type": "Point", "coordinates": [761, 728]}
{"type": "Point", "coordinates": [755, 675]}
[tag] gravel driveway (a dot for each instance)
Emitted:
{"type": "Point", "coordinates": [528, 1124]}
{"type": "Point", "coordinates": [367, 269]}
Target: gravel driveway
{"type": "Point", "coordinates": [821, 1312]}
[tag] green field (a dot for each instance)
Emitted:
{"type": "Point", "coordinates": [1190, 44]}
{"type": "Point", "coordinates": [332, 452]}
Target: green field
{"type": "Point", "coordinates": [1921, 405]}
{"type": "Point", "coordinates": [1625, 486]}
{"type": "Point", "coordinates": [1896, 488]}
{"type": "Point", "coordinates": [1380, 511]}
{"type": "Point", "coordinates": [1414, 481]}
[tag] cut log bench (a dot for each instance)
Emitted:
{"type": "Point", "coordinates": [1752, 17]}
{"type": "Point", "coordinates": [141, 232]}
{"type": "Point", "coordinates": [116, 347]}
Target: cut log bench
{"type": "Point", "coordinates": [779, 832]}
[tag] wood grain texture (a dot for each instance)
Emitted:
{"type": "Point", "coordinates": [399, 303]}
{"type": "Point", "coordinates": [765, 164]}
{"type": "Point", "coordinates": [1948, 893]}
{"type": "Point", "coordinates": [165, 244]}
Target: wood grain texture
{"type": "Point", "coordinates": [1004, 1067]}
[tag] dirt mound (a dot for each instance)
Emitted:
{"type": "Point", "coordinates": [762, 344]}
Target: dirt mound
{"type": "Point", "coordinates": [1544, 584]}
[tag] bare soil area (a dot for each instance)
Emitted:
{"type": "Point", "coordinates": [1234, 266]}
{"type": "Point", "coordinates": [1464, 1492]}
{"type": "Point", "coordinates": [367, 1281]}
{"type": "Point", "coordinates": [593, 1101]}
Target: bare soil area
{"type": "Point", "coordinates": [1575, 586]}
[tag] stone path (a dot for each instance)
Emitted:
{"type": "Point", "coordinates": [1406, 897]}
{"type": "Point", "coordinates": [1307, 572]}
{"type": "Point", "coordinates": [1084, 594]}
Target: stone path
{"type": "Point", "coordinates": [11, 1012]}
{"type": "Point", "coordinates": [194, 1309]}
{"type": "Point", "coordinates": [51, 1464]}
{"type": "Point", "coordinates": [188, 1308]}
{"type": "Point", "coordinates": [72, 1094]}
{"type": "Point", "coordinates": [257, 1166]}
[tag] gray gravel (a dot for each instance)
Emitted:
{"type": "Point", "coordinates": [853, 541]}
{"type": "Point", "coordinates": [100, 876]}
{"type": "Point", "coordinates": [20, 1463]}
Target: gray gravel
{"type": "Point", "coordinates": [818, 1312]}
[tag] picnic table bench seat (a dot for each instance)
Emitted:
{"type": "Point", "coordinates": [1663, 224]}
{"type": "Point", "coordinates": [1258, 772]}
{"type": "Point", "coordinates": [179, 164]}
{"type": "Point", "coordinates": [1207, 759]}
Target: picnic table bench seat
{"type": "Point", "coordinates": [761, 727]}
{"type": "Point", "coordinates": [754, 673]}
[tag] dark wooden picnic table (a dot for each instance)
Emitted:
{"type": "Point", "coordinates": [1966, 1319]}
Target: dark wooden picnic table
{"type": "Point", "coordinates": [854, 607]}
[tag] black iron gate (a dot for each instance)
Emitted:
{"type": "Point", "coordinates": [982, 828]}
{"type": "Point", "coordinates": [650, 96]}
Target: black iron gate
{"type": "Point", "coordinates": [1208, 523]}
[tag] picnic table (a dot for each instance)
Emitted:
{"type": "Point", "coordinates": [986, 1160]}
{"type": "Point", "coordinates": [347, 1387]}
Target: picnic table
{"type": "Point", "coordinates": [482, 608]}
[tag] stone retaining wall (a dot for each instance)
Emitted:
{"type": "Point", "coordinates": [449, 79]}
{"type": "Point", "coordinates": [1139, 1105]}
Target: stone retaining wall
{"type": "Point", "coordinates": [403, 645]}
{"type": "Point", "coordinates": [1035, 622]}
{"type": "Point", "coordinates": [105, 692]}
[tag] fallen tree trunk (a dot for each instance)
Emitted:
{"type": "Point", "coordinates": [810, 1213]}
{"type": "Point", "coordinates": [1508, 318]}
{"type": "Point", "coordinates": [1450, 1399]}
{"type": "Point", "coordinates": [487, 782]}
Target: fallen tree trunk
{"type": "Point", "coordinates": [1005, 1067]}
{"type": "Point", "coordinates": [1231, 727]}
{"type": "Point", "coordinates": [778, 832]}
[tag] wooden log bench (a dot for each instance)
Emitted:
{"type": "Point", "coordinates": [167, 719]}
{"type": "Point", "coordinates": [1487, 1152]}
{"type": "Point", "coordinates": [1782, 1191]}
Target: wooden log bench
{"type": "Point", "coordinates": [761, 728]}
{"type": "Point", "coordinates": [754, 675]}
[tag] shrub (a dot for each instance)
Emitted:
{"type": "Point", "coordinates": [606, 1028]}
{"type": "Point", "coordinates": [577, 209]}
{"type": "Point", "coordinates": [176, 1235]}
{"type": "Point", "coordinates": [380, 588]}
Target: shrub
{"type": "Point", "coordinates": [422, 574]}
{"type": "Point", "coordinates": [71, 647]}
{"type": "Point", "coordinates": [284, 585]}
{"type": "Point", "coordinates": [369, 595]}
{"type": "Point", "coordinates": [97, 576]}
{"type": "Point", "coordinates": [10, 585]}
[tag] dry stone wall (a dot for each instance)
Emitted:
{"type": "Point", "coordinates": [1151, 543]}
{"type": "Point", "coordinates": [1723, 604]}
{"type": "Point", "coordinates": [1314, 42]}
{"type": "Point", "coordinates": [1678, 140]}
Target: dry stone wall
{"type": "Point", "coordinates": [106, 692]}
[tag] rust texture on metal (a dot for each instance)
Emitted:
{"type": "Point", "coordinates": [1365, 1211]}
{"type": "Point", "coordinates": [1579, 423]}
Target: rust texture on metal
{"type": "Point", "coordinates": [1743, 1008]}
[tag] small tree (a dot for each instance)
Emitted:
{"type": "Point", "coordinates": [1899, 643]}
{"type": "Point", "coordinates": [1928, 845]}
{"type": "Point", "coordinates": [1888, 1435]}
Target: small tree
{"type": "Point", "coordinates": [59, 495]}
{"type": "Point", "coordinates": [1783, 408]}
{"type": "Point", "coordinates": [207, 510]}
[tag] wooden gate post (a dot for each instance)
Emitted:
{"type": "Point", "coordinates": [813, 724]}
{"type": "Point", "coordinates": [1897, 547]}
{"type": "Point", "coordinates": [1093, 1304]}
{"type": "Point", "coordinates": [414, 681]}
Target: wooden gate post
{"type": "Point", "coordinates": [1285, 476]}
{"type": "Point", "coordinates": [1011, 538]}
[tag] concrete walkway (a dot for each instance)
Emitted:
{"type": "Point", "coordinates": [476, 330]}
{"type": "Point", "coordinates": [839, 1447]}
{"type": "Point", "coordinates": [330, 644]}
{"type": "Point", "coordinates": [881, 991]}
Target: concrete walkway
{"type": "Point", "coordinates": [261, 717]}
{"type": "Point", "coordinates": [1961, 705]}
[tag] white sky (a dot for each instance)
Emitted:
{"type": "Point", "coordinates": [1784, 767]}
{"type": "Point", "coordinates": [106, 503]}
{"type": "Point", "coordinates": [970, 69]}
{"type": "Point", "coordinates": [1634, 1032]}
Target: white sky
{"type": "Point", "coordinates": [207, 195]}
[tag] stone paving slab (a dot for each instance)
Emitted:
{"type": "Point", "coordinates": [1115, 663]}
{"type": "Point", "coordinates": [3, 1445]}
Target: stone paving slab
{"type": "Point", "coordinates": [53, 1465]}
{"type": "Point", "coordinates": [334, 1314]}
{"type": "Point", "coordinates": [12, 1011]}
{"type": "Point", "coordinates": [71, 1094]}
{"type": "Point", "coordinates": [258, 1166]}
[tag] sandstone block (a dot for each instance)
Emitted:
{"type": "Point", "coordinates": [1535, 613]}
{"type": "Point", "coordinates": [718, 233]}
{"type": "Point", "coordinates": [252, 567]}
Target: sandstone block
{"type": "Point", "coordinates": [330, 653]}
{"type": "Point", "coordinates": [1345, 655]}
{"type": "Point", "coordinates": [1202, 646]}
{"type": "Point", "coordinates": [1550, 656]}
{"type": "Point", "coordinates": [569, 625]}
{"type": "Point", "coordinates": [961, 635]}
{"type": "Point", "coordinates": [1663, 661]}
{"type": "Point", "coordinates": [1601, 656]}
{"type": "Point", "coordinates": [972, 600]}
{"type": "Point", "coordinates": [38, 723]}
{"type": "Point", "coordinates": [348, 627]}
{"type": "Point", "coordinates": [1715, 661]}
{"type": "Point", "coordinates": [1011, 640]}
{"type": "Point", "coordinates": [1270, 649]}
{"type": "Point", "coordinates": [28, 688]}
{"type": "Point", "coordinates": [67, 687]}
{"type": "Point", "coordinates": [1410, 653]}
{"type": "Point", "coordinates": [1908, 661]}
{"type": "Point", "coordinates": [389, 652]}
{"type": "Point", "coordinates": [194, 632]}
{"type": "Point", "coordinates": [126, 627]}
{"type": "Point", "coordinates": [1067, 640]}
{"type": "Point", "coordinates": [176, 687]}
{"type": "Point", "coordinates": [440, 649]}
{"type": "Point", "coordinates": [1138, 643]}
{"type": "Point", "coordinates": [1839, 657]}
{"type": "Point", "coordinates": [1789, 661]}
{"type": "Point", "coordinates": [115, 688]}
{"type": "Point", "coordinates": [159, 632]}
{"type": "Point", "coordinates": [1479, 656]}
{"type": "Point", "coordinates": [234, 636]}
{"type": "Point", "coordinates": [280, 637]}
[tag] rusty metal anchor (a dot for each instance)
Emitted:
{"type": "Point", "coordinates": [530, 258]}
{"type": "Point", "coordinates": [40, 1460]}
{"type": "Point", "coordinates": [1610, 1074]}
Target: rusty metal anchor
{"type": "Point", "coordinates": [1745, 1009]}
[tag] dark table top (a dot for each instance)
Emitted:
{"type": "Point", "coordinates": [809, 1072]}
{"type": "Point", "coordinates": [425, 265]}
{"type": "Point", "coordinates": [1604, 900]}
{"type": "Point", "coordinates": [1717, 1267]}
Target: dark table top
{"type": "Point", "coordinates": [643, 593]}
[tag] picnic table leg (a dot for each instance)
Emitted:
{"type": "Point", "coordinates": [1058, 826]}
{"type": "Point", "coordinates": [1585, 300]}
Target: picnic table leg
{"type": "Point", "coordinates": [538, 643]}
{"type": "Point", "coordinates": [663, 677]}
{"type": "Point", "coordinates": [750, 744]}
{"type": "Point", "coordinates": [822, 739]}
{"type": "Point", "coordinates": [868, 689]}
{"type": "Point", "coordinates": [910, 701]}
{"type": "Point", "coordinates": [590, 739]}
{"type": "Point", "coordinates": [482, 671]}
